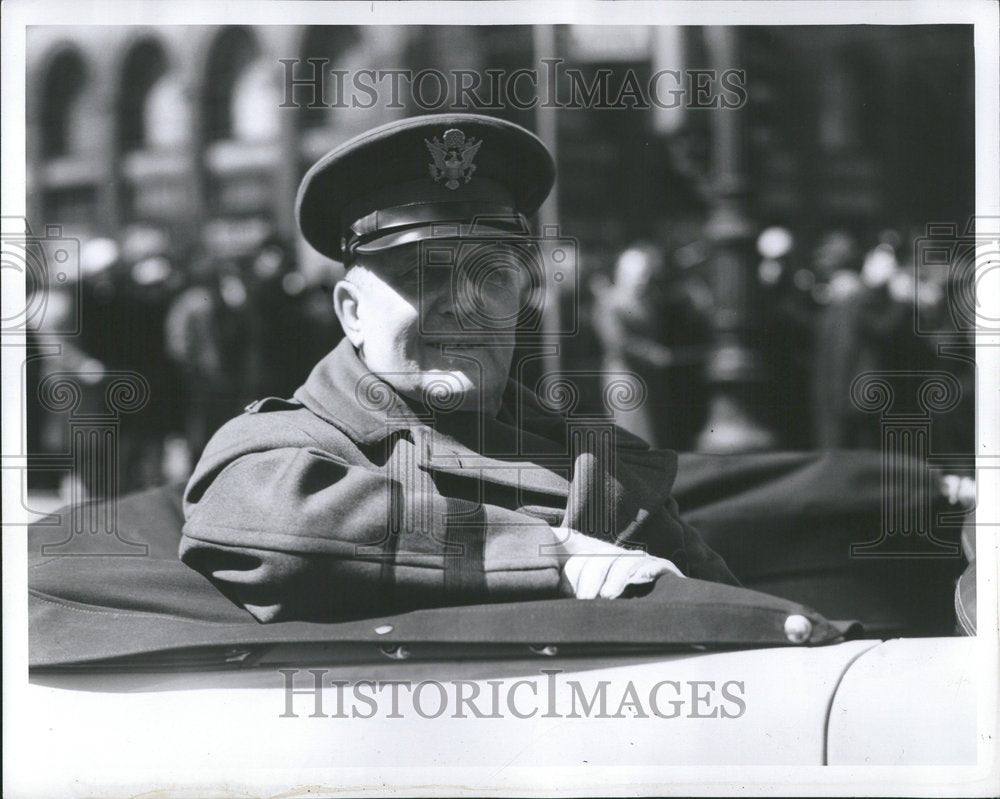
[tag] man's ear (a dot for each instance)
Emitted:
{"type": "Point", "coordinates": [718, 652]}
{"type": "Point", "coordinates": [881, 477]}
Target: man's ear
{"type": "Point", "coordinates": [346, 298]}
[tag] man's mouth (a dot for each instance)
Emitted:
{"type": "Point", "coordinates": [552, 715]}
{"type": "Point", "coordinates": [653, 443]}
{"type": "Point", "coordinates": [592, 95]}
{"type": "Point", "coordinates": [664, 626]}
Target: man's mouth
{"type": "Point", "coordinates": [461, 341]}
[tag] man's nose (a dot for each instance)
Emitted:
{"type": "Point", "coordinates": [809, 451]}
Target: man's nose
{"type": "Point", "coordinates": [443, 304]}
{"type": "Point", "coordinates": [439, 312]}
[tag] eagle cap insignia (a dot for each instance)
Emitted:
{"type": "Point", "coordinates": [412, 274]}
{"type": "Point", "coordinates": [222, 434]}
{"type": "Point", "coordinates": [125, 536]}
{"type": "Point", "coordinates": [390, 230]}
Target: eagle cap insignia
{"type": "Point", "coordinates": [453, 158]}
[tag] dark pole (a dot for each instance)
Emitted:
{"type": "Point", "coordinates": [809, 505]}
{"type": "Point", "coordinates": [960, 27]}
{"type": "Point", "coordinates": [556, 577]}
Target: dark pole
{"type": "Point", "coordinates": [544, 41]}
{"type": "Point", "coordinates": [734, 367]}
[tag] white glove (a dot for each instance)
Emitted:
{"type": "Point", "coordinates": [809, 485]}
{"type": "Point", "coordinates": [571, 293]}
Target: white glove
{"type": "Point", "coordinates": [594, 569]}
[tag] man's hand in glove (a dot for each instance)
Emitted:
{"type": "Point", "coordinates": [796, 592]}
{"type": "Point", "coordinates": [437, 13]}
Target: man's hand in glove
{"type": "Point", "coordinates": [593, 569]}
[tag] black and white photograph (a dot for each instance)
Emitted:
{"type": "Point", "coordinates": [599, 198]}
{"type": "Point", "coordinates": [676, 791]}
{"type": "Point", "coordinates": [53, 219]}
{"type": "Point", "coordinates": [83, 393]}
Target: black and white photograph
{"type": "Point", "coordinates": [500, 398]}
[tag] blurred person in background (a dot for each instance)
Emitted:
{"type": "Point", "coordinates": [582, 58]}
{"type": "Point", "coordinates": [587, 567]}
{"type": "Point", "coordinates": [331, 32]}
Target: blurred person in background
{"type": "Point", "coordinates": [788, 327]}
{"type": "Point", "coordinates": [66, 354]}
{"type": "Point", "coordinates": [897, 293]}
{"type": "Point", "coordinates": [297, 327]}
{"type": "Point", "coordinates": [837, 358]}
{"type": "Point", "coordinates": [887, 299]}
{"type": "Point", "coordinates": [273, 295]}
{"type": "Point", "coordinates": [654, 322]}
{"type": "Point", "coordinates": [148, 287]}
{"type": "Point", "coordinates": [867, 325]}
{"type": "Point", "coordinates": [934, 290]}
{"type": "Point", "coordinates": [577, 299]}
{"type": "Point", "coordinates": [213, 338]}
{"type": "Point", "coordinates": [102, 270]}
{"type": "Point", "coordinates": [320, 330]}
{"type": "Point", "coordinates": [124, 294]}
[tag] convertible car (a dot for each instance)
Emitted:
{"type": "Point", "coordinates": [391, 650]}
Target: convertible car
{"type": "Point", "coordinates": [139, 666]}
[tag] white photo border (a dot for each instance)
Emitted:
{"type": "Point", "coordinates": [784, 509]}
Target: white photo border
{"type": "Point", "coordinates": [22, 759]}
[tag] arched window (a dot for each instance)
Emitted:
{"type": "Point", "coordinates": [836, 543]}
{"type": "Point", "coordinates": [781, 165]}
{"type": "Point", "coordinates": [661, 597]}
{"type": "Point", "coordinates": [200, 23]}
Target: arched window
{"type": "Point", "coordinates": [243, 93]}
{"type": "Point", "coordinates": [166, 116]}
{"type": "Point", "coordinates": [256, 97]}
{"type": "Point", "coordinates": [152, 113]}
{"type": "Point", "coordinates": [64, 125]}
{"type": "Point", "coordinates": [332, 43]}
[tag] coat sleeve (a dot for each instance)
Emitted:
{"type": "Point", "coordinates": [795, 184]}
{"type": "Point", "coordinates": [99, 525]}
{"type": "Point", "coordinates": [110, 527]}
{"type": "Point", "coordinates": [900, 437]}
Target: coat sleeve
{"type": "Point", "coordinates": [702, 562]}
{"type": "Point", "coordinates": [297, 533]}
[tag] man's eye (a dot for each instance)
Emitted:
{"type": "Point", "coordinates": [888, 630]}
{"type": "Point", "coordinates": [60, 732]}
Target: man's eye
{"type": "Point", "coordinates": [505, 281]}
{"type": "Point", "coordinates": [409, 282]}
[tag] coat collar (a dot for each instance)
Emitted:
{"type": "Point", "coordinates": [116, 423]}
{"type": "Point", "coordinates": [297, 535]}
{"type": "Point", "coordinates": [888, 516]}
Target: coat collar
{"type": "Point", "coordinates": [525, 446]}
{"type": "Point", "coordinates": [343, 392]}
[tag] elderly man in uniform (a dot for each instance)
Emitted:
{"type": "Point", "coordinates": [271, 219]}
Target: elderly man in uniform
{"type": "Point", "coordinates": [409, 470]}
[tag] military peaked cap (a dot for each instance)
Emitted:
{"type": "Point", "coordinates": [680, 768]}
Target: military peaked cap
{"type": "Point", "coordinates": [418, 178]}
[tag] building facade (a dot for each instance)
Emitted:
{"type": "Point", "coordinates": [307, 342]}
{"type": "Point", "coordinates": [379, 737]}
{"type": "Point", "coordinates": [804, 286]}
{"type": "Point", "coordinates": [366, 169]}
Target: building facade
{"type": "Point", "coordinates": [187, 127]}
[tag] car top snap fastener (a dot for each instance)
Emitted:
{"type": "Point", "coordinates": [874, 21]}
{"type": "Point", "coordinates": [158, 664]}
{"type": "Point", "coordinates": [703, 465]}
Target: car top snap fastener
{"type": "Point", "coordinates": [798, 628]}
{"type": "Point", "coordinates": [237, 655]}
{"type": "Point", "coordinates": [546, 651]}
{"type": "Point", "coordinates": [396, 652]}
{"type": "Point", "coordinates": [384, 629]}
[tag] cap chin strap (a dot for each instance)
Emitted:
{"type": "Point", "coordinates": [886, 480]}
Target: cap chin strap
{"type": "Point", "coordinates": [401, 218]}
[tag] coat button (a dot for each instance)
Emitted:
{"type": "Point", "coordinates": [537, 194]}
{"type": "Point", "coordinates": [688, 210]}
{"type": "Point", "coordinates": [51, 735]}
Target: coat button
{"type": "Point", "coordinates": [798, 628]}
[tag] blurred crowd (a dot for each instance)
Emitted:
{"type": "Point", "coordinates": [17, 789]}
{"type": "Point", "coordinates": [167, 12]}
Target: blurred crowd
{"type": "Point", "coordinates": [210, 334]}
{"type": "Point", "coordinates": [207, 333]}
{"type": "Point", "coordinates": [821, 316]}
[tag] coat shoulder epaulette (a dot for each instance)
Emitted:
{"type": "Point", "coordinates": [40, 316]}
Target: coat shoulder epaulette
{"type": "Point", "coordinates": [268, 404]}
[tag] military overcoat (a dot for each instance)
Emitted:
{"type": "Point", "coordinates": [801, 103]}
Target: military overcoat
{"type": "Point", "coordinates": [348, 500]}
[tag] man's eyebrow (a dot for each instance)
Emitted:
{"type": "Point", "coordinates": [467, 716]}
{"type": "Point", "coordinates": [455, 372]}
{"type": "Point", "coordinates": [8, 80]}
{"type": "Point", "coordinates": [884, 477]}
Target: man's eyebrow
{"type": "Point", "coordinates": [397, 265]}
{"type": "Point", "coordinates": [402, 277]}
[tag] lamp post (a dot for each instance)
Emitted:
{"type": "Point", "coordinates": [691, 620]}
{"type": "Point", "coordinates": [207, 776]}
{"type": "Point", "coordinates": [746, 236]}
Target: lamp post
{"type": "Point", "coordinates": [734, 369]}
{"type": "Point", "coordinates": [544, 45]}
